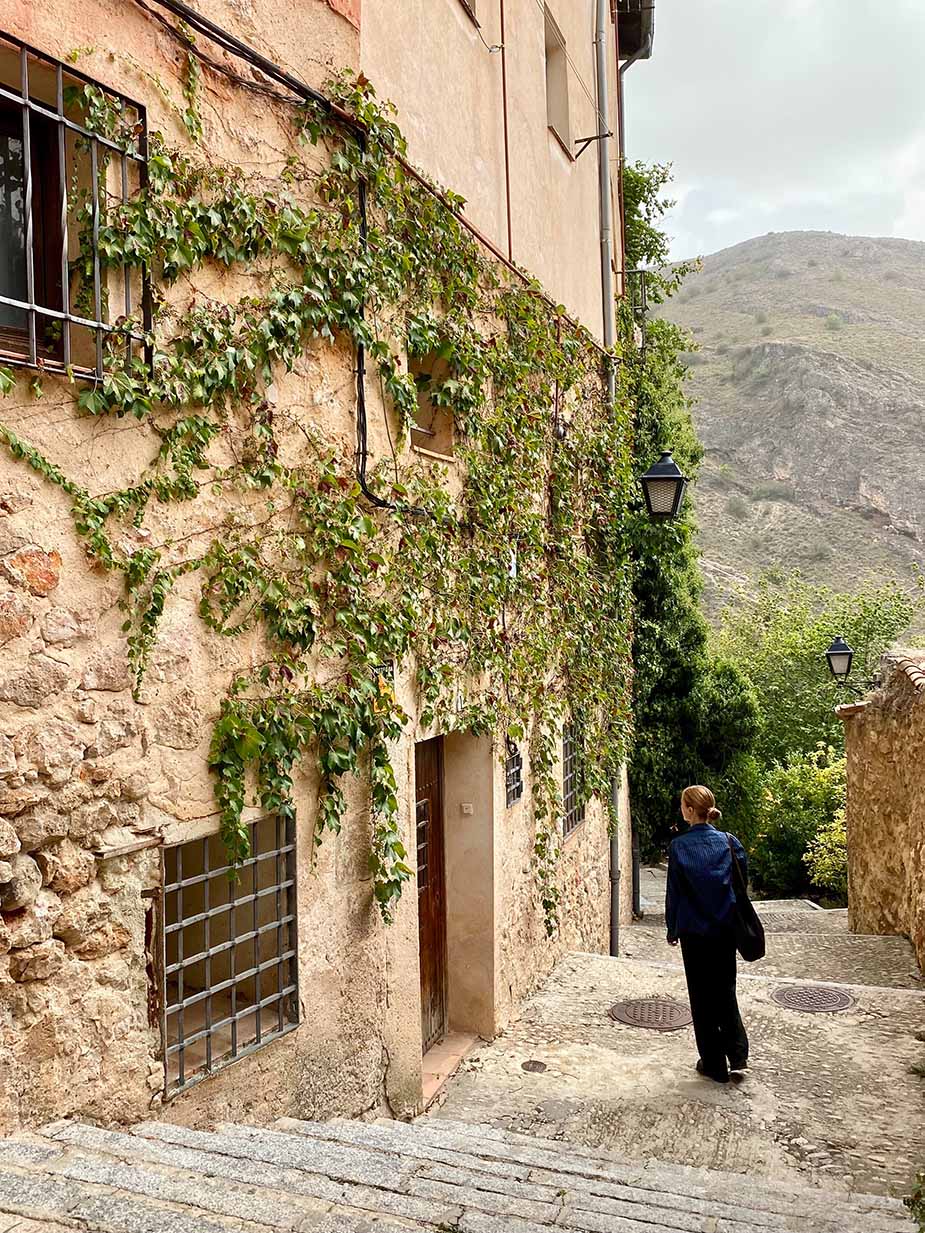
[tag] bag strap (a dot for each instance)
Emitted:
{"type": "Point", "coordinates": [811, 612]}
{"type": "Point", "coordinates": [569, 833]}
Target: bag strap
{"type": "Point", "coordinates": [737, 868]}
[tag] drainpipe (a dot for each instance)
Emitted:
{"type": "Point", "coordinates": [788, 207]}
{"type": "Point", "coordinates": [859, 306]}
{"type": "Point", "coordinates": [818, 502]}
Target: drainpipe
{"type": "Point", "coordinates": [628, 63]}
{"type": "Point", "coordinates": [615, 871]}
{"type": "Point", "coordinates": [607, 313]}
{"type": "Point", "coordinates": [603, 169]}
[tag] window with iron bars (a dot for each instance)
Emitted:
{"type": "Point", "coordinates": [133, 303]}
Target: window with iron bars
{"type": "Point", "coordinates": [229, 980]}
{"type": "Point", "coordinates": [573, 813]}
{"type": "Point", "coordinates": [72, 152]}
{"type": "Point", "coordinates": [513, 774]}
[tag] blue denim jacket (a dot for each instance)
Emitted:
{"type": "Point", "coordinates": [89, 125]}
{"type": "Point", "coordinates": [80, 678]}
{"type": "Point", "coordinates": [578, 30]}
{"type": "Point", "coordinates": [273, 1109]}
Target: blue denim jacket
{"type": "Point", "coordinates": [700, 897]}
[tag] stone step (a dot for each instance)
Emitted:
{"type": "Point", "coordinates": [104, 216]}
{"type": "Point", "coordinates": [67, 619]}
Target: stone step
{"type": "Point", "coordinates": [357, 1177]}
{"type": "Point", "coordinates": [859, 959]}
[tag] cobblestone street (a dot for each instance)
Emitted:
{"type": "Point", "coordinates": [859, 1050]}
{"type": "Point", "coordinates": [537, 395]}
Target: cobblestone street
{"type": "Point", "coordinates": [829, 1098]}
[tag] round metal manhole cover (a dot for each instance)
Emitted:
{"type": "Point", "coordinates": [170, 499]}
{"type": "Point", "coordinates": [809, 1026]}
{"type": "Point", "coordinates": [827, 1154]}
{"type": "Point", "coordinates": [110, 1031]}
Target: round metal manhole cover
{"type": "Point", "coordinates": [533, 1066]}
{"type": "Point", "coordinates": [813, 999]}
{"type": "Point", "coordinates": [655, 1013]}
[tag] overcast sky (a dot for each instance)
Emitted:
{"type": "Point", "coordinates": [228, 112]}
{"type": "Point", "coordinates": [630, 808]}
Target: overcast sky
{"type": "Point", "coordinates": [784, 115]}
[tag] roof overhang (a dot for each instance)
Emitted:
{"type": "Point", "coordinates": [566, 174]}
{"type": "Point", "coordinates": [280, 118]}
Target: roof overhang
{"type": "Point", "coordinates": [636, 28]}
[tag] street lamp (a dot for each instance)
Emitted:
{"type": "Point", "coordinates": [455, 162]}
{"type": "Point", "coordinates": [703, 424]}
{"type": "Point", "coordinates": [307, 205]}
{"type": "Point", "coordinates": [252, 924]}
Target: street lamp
{"type": "Point", "coordinates": [663, 487]}
{"type": "Point", "coordinates": [840, 656]}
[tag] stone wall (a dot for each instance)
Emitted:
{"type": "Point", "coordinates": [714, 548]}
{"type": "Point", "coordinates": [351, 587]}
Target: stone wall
{"type": "Point", "coordinates": [885, 740]}
{"type": "Point", "coordinates": [95, 782]}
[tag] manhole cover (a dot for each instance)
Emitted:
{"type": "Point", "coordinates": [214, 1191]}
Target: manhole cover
{"type": "Point", "coordinates": [814, 999]}
{"type": "Point", "coordinates": [652, 1013]}
{"type": "Point", "coordinates": [533, 1066]}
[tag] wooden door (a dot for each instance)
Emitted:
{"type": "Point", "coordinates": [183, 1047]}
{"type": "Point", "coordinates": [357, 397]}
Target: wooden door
{"type": "Point", "coordinates": [428, 779]}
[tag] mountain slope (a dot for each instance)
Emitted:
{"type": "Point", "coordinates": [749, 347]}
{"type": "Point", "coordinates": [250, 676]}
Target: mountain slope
{"type": "Point", "coordinates": [810, 389]}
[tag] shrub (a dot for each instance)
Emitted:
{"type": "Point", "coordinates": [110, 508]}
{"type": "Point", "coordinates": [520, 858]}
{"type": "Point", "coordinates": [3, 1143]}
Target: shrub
{"type": "Point", "coordinates": [774, 490]}
{"type": "Point", "coordinates": [766, 330]}
{"type": "Point", "coordinates": [916, 1202]}
{"type": "Point", "coordinates": [736, 507]}
{"type": "Point", "coordinates": [826, 858]}
{"type": "Point", "coordinates": [761, 318]}
{"type": "Point", "coordinates": [798, 801]}
{"type": "Point", "coordinates": [833, 322]}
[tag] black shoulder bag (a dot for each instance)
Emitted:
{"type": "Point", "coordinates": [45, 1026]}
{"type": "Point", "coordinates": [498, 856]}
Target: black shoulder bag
{"type": "Point", "coordinates": [748, 929]}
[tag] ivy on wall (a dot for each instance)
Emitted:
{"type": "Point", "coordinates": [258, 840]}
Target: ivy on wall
{"type": "Point", "coordinates": [503, 584]}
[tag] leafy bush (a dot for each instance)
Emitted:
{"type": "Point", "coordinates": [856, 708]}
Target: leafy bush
{"type": "Point", "coordinates": [736, 507]}
{"type": "Point", "coordinates": [916, 1202]}
{"type": "Point", "coordinates": [766, 330]}
{"type": "Point", "coordinates": [826, 858]}
{"type": "Point", "coordinates": [774, 491]}
{"type": "Point", "coordinates": [833, 322]}
{"type": "Point", "coordinates": [798, 802]}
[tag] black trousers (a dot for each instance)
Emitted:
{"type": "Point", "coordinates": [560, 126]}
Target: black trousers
{"type": "Point", "coordinates": [710, 968]}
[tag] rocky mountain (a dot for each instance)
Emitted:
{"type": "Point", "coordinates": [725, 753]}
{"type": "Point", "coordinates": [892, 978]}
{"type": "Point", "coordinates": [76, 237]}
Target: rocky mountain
{"type": "Point", "coordinates": [810, 389]}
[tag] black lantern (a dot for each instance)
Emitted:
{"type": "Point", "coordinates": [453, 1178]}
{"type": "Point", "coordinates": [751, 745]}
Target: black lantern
{"type": "Point", "coordinates": [664, 485]}
{"type": "Point", "coordinates": [840, 656]}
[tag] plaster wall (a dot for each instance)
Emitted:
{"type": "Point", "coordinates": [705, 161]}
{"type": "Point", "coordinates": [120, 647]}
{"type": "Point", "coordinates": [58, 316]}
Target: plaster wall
{"type": "Point", "coordinates": [885, 742]}
{"type": "Point", "coordinates": [427, 57]}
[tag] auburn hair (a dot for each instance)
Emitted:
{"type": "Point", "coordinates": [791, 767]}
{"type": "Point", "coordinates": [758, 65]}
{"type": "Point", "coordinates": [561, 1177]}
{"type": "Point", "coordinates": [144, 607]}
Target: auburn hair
{"type": "Point", "coordinates": [702, 801]}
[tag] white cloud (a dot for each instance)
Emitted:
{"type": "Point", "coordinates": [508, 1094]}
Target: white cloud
{"type": "Point", "coordinates": [775, 114]}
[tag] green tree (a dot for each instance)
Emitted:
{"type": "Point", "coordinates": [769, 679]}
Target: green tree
{"type": "Point", "coordinates": [695, 714]}
{"type": "Point", "coordinates": [777, 636]}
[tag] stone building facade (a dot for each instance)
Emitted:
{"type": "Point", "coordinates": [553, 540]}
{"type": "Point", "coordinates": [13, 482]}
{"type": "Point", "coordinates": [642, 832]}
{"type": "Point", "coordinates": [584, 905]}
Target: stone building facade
{"type": "Point", "coordinates": [885, 743]}
{"type": "Point", "coordinates": [109, 859]}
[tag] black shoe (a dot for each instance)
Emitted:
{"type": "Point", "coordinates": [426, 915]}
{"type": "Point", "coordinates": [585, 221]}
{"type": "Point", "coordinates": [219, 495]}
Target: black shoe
{"type": "Point", "coordinates": [709, 1075]}
{"type": "Point", "coordinates": [737, 1064]}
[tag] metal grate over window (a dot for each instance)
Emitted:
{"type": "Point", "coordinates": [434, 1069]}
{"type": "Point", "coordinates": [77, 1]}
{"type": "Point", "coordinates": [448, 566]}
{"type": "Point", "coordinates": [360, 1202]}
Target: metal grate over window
{"type": "Point", "coordinates": [230, 982]}
{"type": "Point", "coordinates": [572, 798]}
{"type": "Point", "coordinates": [72, 154]}
{"type": "Point", "coordinates": [513, 774]}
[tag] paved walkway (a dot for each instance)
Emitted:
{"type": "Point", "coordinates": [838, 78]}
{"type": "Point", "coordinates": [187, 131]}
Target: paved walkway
{"type": "Point", "coordinates": [829, 1099]}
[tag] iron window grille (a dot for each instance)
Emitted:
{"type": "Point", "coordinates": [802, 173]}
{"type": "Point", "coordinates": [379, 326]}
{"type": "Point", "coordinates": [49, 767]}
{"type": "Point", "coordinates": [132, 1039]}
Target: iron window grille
{"type": "Point", "coordinates": [62, 183]}
{"type": "Point", "coordinates": [422, 818]}
{"type": "Point", "coordinates": [513, 774]}
{"type": "Point", "coordinates": [229, 960]}
{"type": "Point", "coordinates": [572, 796]}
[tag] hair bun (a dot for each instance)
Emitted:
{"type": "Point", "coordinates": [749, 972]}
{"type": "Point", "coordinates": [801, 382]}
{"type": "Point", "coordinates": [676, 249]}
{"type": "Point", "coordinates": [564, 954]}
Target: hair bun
{"type": "Point", "coordinates": [714, 815]}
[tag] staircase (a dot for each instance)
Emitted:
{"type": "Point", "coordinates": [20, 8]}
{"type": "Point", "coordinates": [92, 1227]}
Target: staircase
{"type": "Point", "coordinates": [383, 1177]}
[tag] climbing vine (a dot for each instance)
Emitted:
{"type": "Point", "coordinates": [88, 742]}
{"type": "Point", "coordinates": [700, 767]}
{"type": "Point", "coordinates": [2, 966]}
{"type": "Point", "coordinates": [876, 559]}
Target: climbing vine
{"type": "Point", "coordinates": [500, 582]}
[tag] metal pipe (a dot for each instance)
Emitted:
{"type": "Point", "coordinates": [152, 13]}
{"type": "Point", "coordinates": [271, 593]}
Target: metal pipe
{"type": "Point", "coordinates": [637, 895]}
{"type": "Point", "coordinates": [603, 167]}
{"type": "Point", "coordinates": [507, 148]}
{"type": "Point", "coordinates": [615, 870]}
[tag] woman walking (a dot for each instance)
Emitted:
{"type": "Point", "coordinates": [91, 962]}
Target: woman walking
{"type": "Point", "coordinates": [699, 907]}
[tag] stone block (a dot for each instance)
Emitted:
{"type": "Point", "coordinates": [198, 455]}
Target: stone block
{"type": "Point", "coordinates": [7, 757]}
{"type": "Point", "coordinates": [65, 866]}
{"type": "Point", "coordinates": [37, 962]}
{"type": "Point", "coordinates": [63, 627]}
{"type": "Point", "coordinates": [33, 569]}
{"type": "Point", "coordinates": [118, 728]}
{"type": "Point", "coordinates": [9, 840]}
{"type": "Point", "coordinates": [83, 914]}
{"type": "Point", "coordinates": [34, 924]}
{"type": "Point", "coordinates": [24, 886]}
{"type": "Point", "coordinates": [179, 723]}
{"type": "Point", "coordinates": [37, 683]}
{"type": "Point", "coordinates": [108, 670]}
{"type": "Point", "coordinates": [6, 872]}
{"type": "Point", "coordinates": [40, 826]}
{"type": "Point", "coordinates": [53, 749]}
{"type": "Point", "coordinates": [15, 616]}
